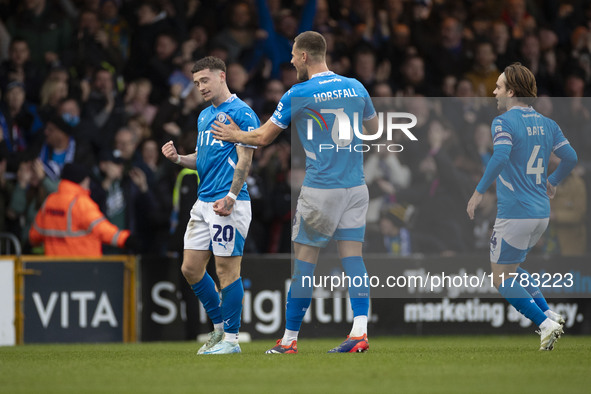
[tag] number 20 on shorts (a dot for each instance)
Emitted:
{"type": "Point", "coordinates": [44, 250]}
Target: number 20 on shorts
{"type": "Point", "coordinates": [225, 233]}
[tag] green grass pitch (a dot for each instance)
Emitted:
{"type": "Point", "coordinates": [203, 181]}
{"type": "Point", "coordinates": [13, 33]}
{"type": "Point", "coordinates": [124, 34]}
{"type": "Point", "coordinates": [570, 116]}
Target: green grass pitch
{"type": "Point", "coordinates": [461, 364]}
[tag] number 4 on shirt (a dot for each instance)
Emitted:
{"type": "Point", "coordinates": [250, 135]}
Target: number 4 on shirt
{"type": "Point", "coordinates": [538, 169]}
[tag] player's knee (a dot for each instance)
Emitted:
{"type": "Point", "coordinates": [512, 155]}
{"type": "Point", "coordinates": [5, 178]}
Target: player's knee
{"type": "Point", "coordinates": [228, 271]}
{"type": "Point", "coordinates": [192, 273]}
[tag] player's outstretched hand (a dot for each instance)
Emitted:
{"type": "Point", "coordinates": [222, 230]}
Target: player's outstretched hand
{"type": "Point", "coordinates": [473, 204]}
{"type": "Point", "coordinates": [169, 151]}
{"type": "Point", "coordinates": [550, 190]}
{"type": "Point", "coordinates": [223, 206]}
{"type": "Point", "coordinates": [226, 132]}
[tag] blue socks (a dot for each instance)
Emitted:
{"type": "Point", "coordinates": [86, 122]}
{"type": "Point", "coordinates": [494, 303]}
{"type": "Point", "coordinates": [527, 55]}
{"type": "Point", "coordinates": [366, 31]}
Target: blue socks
{"type": "Point", "coordinates": [521, 300]}
{"type": "Point", "coordinates": [300, 291]}
{"type": "Point", "coordinates": [359, 288]}
{"type": "Point", "coordinates": [299, 295]}
{"type": "Point", "coordinates": [532, 290]}
{"type": "Point", "coordinates": [232, 306]}
{"type": "Point", "coordinates": [209, 297]}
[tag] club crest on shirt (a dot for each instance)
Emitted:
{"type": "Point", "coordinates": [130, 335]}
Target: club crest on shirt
{"type": "Point", "coordinates": [221, 117]}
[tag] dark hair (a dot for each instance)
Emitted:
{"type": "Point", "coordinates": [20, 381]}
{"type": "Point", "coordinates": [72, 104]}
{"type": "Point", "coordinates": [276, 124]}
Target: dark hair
{"type": "Point", "coordinates": [312, 43]}
{"type": "Point", "coordinates": [16, 39]}
{"type": "Point", "coordinates": [209, 62]}
{"type": "Point", "coordinates": [75, 172]}
{"type": "Point", "coordinates": [522, 81]}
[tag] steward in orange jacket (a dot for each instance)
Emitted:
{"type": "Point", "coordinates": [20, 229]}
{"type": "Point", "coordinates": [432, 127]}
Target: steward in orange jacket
{"type": "Point", "coordinates": [70, 223]}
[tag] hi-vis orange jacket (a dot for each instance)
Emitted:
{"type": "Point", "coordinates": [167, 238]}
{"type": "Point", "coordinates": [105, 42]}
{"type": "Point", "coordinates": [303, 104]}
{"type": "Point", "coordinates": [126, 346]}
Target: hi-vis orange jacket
{"type": "Point", "coordinates": [70, 223]}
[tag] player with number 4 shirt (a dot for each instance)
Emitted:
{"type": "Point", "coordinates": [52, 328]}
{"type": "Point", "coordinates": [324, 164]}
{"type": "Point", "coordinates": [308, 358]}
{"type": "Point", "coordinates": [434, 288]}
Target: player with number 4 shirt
{"type": "Point", "coordinates": [523, 141]}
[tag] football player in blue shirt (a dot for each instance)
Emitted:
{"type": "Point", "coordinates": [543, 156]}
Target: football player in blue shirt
{"type": "Point", "coordinates": [221, 215]}
{"type": "Point", "coordinates": [523, 141]}
{"type": "Point", "coordinates": [334, 198]}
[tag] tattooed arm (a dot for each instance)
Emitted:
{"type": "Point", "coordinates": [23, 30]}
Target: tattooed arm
{"type": "Point", "coordinates": [223, 206]}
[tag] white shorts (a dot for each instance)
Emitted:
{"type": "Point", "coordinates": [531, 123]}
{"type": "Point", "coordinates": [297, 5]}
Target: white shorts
{"type": "Point", "coordinates": [513, 238]}
{"type": "Point", "coordinates": [224, 235]}
{"type": "Point", "coordinates": [322, 214]}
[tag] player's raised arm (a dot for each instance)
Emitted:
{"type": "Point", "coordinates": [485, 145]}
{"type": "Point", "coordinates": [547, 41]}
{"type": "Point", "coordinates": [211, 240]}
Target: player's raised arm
{"type": "Point", "coordinates": [223, 206]}
{"type": "Point", "coordinates": [231, 132]}
{"type": "Point", "coordinates": [187, 161]}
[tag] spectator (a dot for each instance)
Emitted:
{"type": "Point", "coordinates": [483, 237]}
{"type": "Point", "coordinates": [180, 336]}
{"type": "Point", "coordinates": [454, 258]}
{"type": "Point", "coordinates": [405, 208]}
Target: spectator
{"type": "Point", "coordinates": [20, 126]}
{"type": "Point", "coordinates": [580, 54]}
{"type": "Point", "coordinates": [70, 223]}
{"type": "Point", "coordinates": [69, 110]}
{"type": "Point", "coordinates": [45, 30]}
{"type": "Point", "coordinates": [125, 198]}
{"type": "Point", "coordinates": [503, 45]}
{"type": "Point", "coordinates": [399, 48]}
{"type": "Point", "coordinates": [519, 21]}
{"type": "Point", "coordinates": [28, 195]}
{"type": "Point", "coordinates": [184, 196]}
{"type": "Point", "coordinates": [413, 78]}
{"type": "Point", "coordinates": [542, 65]}
{"type": "Point", "coordinates": [382, 89]}
{"type": "Point", "coordinates": [18, 67]}
{"type": "Point", "coordinates": [277, 46]}
{"type": "Point", "coordinates": [151, 21]}
{"type": "Point", "coordinates": [438, 191]}
{"type": "Point", "coordinates": [137, 102]}
{"type": "Point", "coordinates": [451, 55]}
{"type": "Point", "coordinates": [194, 47]}
{"type": "Point", "coordinates": [568, 213]}
{"type": "Point", "coordinates": [273, 92]}
{"type": "Point", "coordinates": [116, 27]}
{"type": "Point", "coordinates": [484, 72]}
{"type": "Point", "coordinates": [364, 67]}
{"type": "Point", "coordinates": [176, 115]}
{"type": "Point", "coordinates": [92, 47]}
{"type": "Point", "coordinates": [239, 35]}
{"type": "Point", "coordinates": [4, 38]}
{"type": "Point", "coordinates": [384, 175]}
{"type": "Point", "coordinates": [162, 177]}
{"type": "Point", "coordinates": [237, 80]}
{"type": "Point", "coordinates": [104, 108]}
{"type": "Point", "coordinates": [5, 195]}
{"type": "Point", "coordinates": [61, 147]}
{"type": "Point", "coordinates": [52, 93]}
{"type": "Point", "coordinates": [163, 64]}
{"type": "Point", "coordinates": [127, 144]}
{"type": "Point", "coordinates": [140, 128]}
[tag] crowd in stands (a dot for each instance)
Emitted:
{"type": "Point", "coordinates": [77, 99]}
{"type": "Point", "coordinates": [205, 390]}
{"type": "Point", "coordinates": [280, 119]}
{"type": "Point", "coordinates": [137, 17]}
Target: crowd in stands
{"type": "Point", "coordinates": [106, 82]}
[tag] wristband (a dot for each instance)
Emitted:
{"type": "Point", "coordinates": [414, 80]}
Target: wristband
{"type": "Point", "coordinates": [178, 160]}
{"type": "Point", "coordinates": [231, 195]}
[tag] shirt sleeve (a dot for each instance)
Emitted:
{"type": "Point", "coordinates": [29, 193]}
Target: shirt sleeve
{"type": "Point", "coordinates": [501, 134]}
{"type": "Point", "coordinates": [369, 110]}
{"type": "Point", "coordinates": [559, 140]}
{"type": "Point", "coordinates": [282, 115]}
{"type": "Point", "coordinates": [247, 121]}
